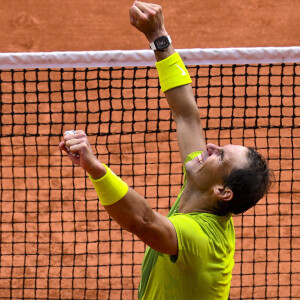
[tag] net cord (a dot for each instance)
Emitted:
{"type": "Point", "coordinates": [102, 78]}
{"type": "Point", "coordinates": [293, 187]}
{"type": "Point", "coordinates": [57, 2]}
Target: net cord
{"type": "Point", "coordinates": [131, 58]}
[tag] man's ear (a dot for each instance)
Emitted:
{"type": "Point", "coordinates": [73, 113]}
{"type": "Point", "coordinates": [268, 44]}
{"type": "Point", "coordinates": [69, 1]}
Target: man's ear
{"type": "Point", "coordinates": [223, 193]}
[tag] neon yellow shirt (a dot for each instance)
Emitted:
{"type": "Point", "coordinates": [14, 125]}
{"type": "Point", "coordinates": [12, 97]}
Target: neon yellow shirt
{"type": "Point", "coordinates": [203, 267]}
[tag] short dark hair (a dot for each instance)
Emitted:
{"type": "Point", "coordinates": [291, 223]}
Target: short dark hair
{"type": "Point", "coordinates": [248, 184]}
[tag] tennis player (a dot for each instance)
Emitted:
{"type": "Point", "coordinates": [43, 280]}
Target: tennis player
{"type": "Point", "coordinates": [190, 253]}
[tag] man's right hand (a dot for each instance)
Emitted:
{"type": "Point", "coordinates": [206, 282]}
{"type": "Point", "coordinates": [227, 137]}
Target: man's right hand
{"type": "Point", "coordinates": [148, 18]}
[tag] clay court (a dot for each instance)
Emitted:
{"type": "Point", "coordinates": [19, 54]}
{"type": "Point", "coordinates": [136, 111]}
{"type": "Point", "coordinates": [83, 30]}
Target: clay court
{"type": "Point", "coordinates": [54, 25]}
{"type": "Point", "coordinates": [57, 242]}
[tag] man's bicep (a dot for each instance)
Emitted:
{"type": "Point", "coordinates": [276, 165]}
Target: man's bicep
{"type": "Point", "coordinates": [159, 234]}
{"type": "Point", "coordinates": [134, 214]}
{"type": "Point", "coordinates": [190, 135]}
{"type": "Point", "coordinates": [186, 115]}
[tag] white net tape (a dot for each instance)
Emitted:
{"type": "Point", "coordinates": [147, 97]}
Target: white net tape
{"type": "Point", "coordinates": [119, 58]}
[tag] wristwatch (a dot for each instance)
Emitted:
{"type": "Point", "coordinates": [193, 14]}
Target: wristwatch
{"type": "Point", "coordinates": [161, 43]}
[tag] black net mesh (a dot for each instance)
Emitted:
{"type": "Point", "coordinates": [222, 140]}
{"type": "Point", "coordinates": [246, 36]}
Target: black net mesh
{"type": "Point", "coordinates": [57, 242]}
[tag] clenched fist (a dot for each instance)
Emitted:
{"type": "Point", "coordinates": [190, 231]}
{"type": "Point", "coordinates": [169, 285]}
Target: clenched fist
{"type": "Point", "coordinates": [79, 151]}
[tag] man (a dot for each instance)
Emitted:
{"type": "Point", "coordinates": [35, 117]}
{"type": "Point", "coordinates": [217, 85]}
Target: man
{"type": "Point", "coordinates": [190, 254]}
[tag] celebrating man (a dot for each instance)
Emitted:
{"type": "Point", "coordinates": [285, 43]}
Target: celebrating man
{"type": "Point", "coordinates": [190, 253]}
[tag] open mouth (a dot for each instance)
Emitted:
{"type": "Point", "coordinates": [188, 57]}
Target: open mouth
{"type": "Point", "coordinates": [202, 158]}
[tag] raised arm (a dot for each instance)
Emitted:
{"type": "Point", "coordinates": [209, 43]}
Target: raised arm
{"type": "Point", "coordinates": [129, 209]}
{"type": "Point", "coordinates": [148, 18]}
{"type": "Point", "coordinates": [123, 204]}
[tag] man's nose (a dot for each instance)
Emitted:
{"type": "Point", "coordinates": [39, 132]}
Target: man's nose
{"type": "Point", "coordinates": [214, 149]}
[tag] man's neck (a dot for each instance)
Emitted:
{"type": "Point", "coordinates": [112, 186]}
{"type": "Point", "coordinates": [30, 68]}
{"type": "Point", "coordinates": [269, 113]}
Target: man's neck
{"type": "Point", "coordinates": [193, 200]}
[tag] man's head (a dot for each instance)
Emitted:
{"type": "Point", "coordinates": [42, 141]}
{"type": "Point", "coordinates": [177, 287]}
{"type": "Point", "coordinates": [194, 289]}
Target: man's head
{"type": "Point", "coordinates": [236, 176]}
{"type": "Point", "coordinates": [248, 184]}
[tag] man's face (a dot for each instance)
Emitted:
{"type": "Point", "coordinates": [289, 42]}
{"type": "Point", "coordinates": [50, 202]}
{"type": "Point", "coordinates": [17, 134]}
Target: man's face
{"type": "Point", "coordinates": [212, 166]}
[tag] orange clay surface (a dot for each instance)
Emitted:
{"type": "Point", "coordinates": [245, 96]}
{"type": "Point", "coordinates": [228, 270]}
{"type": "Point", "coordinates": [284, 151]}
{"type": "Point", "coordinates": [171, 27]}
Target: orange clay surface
{"type": "Point", "coordinates": [50, 249]}
{"type": "Point", "coordinates": [79, 25]}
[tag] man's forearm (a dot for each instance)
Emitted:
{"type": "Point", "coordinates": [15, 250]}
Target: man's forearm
{"type": "Point", "coordinates": [148, 18]}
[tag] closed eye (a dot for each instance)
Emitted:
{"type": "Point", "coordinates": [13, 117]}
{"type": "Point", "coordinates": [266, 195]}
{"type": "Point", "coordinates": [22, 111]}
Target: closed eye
{"type": "Point", "coordinates": [222, 154]}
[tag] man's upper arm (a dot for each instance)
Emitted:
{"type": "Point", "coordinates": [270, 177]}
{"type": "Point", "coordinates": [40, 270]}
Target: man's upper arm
{"type": "Point", "coordinates": [190, 135]}
{"type": "Point", "coordinates": [159, 234]}
{"type": "Point", "coordinates": [185, 112]}
{"type": "Point", "coordinates": [133, 213]}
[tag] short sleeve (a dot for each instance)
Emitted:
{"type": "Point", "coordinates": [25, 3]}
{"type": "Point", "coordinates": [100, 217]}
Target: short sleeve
{"type": "Point", "coordinates": [193, 243]}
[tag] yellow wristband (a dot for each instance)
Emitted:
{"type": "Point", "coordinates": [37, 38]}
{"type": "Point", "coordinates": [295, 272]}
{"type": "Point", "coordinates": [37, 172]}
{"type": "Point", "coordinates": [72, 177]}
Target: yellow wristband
{"type": "Point", "coordinates": [172, 72]}
{"type": "Point", "coordinates": [110, 188]}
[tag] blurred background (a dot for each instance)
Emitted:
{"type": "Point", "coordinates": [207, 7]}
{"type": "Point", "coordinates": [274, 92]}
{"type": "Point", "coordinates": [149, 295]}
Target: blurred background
{"type": "Point", "coordinates": [79, 25]}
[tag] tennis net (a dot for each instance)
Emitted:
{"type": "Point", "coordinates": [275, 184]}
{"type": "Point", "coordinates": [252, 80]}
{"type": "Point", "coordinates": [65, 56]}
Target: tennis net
{"type": "Point", "coordinates": [57, 242]}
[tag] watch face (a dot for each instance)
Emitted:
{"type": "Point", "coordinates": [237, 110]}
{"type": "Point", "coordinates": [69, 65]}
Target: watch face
{"type": "Point", "coordinates": [162, 43]}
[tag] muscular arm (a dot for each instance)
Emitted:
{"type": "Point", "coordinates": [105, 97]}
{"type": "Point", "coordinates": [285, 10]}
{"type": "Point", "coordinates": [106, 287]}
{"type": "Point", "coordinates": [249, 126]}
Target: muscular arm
{"type": "Point", "coordinates": [148, 19]}
{"type": "Point", "coordinates": [133, 212]}
{"type": "Point", "coordinates": [188, 125]}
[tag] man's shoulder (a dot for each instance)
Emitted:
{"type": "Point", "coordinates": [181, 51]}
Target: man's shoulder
{"type": "Point", "coordinates": [203, 223]}
{"type": "Point", "coordinates": [202, 217]}
{"type": "Point", "coordinates": [191, 222]}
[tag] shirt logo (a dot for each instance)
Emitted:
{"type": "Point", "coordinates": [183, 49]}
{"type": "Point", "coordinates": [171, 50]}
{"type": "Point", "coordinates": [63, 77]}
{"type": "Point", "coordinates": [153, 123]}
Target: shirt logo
{"type": "Point", "coordinates": [182, 71]}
